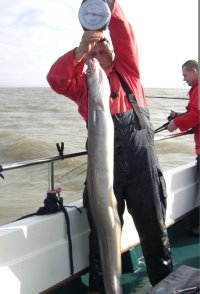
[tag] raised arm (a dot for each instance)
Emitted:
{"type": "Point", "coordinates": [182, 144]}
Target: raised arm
{"type": "Point", "coordinates": [123, 39]}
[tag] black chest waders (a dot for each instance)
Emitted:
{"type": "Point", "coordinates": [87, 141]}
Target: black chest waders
{"type": "Point", "coordinates": [137, 183]}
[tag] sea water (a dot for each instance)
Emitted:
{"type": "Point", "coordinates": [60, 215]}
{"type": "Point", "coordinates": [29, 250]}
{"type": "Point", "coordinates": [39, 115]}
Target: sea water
{"type": "Point", "coordinates": [33, 120]}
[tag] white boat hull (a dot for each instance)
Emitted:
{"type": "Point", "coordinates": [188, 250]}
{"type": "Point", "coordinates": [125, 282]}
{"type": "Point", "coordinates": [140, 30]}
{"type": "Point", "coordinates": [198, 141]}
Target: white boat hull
{"type": "Point", "coordinates": [34, 251]}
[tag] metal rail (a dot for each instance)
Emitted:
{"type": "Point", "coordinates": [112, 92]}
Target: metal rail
{"type": "Point", "coordinates": [49, 160]}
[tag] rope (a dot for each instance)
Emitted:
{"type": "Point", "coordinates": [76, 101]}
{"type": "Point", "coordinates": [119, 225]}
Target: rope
{"type": "Point", "coordinates": [69, 237]}
{"type": "Point", "coordinates": [53, 204]}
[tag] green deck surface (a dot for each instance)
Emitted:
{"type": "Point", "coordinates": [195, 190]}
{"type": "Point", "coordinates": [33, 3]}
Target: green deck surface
{"type": "Point", "coordinates": [185, 251]}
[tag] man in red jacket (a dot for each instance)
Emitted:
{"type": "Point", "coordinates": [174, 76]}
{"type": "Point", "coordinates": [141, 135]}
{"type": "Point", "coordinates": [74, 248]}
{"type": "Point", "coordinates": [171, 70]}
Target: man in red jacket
{"type": "Point", "coordinates": [138, 180]}
{"type": "Point", "coordinates": [191, 118]}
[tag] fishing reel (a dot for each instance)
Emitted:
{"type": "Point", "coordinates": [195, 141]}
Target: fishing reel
{"type": "Point", "coordinates": [172, 115]}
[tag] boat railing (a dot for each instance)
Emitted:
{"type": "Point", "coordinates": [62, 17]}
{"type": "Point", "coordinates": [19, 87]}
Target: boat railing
{"type": "Point", "coordinates": [50, 160]}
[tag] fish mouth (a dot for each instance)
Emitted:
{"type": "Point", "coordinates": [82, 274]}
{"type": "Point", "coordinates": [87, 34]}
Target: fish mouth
{"type": "Point", "coordinates": [92, 65]}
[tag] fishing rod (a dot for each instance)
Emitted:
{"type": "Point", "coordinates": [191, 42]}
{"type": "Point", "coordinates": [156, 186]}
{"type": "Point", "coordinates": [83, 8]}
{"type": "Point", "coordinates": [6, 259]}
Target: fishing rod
{"type": "Point", "coordinates": [161, 97]}
{"type": "Point", "coordinates": [188, 132]}
{"type": "Point", "coordinates": [72, 170]}
{"type": "Point", "coordinates": [165, 125]}
{"type": "Point", "coordinates": [162, 128]}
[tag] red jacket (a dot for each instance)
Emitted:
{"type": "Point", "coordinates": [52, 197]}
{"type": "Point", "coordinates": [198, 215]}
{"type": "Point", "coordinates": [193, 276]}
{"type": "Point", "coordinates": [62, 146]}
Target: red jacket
{"type": "Point", "coordinates": [191, 119]}
{"type": "Point", "coordinates": [67, 78]}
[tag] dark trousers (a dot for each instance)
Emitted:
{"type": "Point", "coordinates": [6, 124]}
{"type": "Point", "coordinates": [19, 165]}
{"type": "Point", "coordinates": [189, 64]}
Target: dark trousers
{"type": "Point", "coordinates": [145, 198]}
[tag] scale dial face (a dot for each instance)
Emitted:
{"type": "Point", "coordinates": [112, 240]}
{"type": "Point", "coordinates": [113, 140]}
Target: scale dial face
{"type": "Point", "coordinates": [94, 15]}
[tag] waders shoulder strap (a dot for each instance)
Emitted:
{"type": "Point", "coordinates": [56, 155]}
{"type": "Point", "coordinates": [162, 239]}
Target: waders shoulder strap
{"type": "Point", "coordinates": [132, 99]}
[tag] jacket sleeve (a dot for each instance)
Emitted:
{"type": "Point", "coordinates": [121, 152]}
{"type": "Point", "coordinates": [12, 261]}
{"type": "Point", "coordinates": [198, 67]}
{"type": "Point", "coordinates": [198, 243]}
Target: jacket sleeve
{"type": "Point", "coordinates": [66, 77]}
{"type": "Point", "coordinates": [124, 41]}
{"type": "Point", "coordinates": [190, 119]}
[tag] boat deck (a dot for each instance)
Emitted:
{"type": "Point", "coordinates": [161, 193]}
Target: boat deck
{"type": "Point", "coordinates": [185, 251]}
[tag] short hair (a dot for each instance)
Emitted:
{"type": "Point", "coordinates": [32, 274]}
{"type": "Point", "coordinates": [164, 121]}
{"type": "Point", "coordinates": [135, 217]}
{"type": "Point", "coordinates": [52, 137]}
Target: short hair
{"type": "Point", "coordinates": [190, 64]}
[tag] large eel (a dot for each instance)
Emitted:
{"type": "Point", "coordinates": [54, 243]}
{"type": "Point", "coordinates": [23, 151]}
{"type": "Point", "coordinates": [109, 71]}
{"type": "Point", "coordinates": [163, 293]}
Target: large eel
{"type": "Point", "coordinates": [100, 176]}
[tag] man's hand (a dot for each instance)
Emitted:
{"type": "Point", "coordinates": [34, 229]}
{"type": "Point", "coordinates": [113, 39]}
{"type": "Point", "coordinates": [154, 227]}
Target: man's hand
{"type": "Point", "coordinates": [88, 41]}
{"type": "Point", "coordinates": [175, 114]}
{"type": "Point", "coordinates": [171, 126]}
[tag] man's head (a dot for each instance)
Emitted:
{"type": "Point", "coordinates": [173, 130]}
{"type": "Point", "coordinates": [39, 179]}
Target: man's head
{"type": "Point", "coordinates": [103, 52]}
{"type": "Point", "coordinates": [190, 71]}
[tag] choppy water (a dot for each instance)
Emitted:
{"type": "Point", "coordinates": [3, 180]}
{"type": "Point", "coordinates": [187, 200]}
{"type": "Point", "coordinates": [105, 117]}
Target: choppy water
{"type": "Point", "coordinates": [33, 120]}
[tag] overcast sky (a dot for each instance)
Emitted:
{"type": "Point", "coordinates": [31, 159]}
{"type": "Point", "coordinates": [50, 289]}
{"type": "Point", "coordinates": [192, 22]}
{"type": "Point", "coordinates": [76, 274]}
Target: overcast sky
{"type": "Point", "coordinates": [34, 33]}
